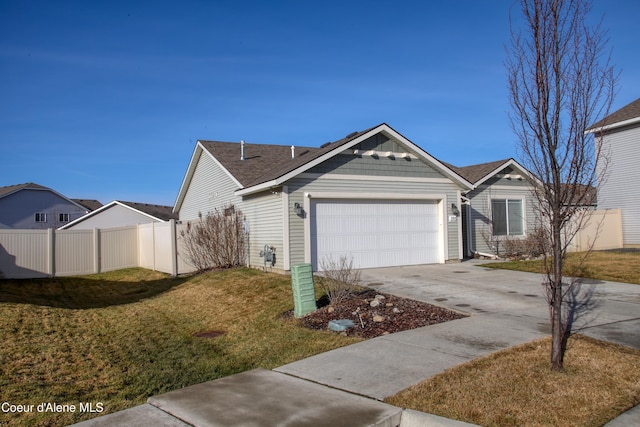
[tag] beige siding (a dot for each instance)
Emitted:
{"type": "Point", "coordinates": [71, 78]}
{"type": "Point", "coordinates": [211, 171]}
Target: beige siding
{"type": "Point", "coordinates": [622, 147]}
{"type": "Point", "coordinates": [210, 189]}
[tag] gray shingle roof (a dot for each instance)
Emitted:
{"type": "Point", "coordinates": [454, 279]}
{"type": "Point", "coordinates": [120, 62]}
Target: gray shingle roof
{"type": "Point", "coordinates": [164, 213]}
{"type": "Point", "coordinates": [474, 173]}
{"type": "Point", "coordinates": [13, 188]}
{"type": "Point", "coordinates": [90, 204]}
{"type": "Point", "coordinates": [263, 163]}
{"type": "Point", "coordinates": [259, 159]}
{"type": "Point", "coordinates": [628, 112]}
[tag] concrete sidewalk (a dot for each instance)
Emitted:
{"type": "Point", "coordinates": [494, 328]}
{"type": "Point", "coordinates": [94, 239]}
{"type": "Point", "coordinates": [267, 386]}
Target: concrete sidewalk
{"type": "Point", "coordinates": [345, 386]}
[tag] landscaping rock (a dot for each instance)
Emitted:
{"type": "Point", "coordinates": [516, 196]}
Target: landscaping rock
{"type": "Point", "coordinates": [340, 325]}
{"type": "Point", "coordinates": [405, 314]}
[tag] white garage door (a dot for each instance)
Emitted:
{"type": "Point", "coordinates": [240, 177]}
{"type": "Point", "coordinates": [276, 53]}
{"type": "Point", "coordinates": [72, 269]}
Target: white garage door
{"type": "Point", "coordinates": [375, 233]}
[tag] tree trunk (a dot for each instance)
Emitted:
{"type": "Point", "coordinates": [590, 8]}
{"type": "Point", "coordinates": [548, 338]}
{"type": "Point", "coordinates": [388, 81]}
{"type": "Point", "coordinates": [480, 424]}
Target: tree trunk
{"type": "Point", "coordinates": [558, 339]}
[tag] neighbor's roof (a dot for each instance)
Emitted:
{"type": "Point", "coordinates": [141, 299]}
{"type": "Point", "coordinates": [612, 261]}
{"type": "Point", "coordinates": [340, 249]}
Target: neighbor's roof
{"type": "Point", "coordinates": [154, 212]}
{"type": "Point", "coordinates": [9, 189]}
{"type": "Point", "coordinates": [580, 194]}
{"type": "Point", "coordinates": [628, 114]}
{"type": "Point", "coordinates": [90, 204]}
{"type": "Point", "coordinates": [162, 212]}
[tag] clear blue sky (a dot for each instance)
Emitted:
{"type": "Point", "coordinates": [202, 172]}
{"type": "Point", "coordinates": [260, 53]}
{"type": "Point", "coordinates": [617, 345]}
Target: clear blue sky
{"type": "Point", "coordinates": [105, 100]}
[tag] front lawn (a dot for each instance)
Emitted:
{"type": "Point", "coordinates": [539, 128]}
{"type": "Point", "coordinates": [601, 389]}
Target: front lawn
{"type": "Point", "coordinates": [615, 266]}
{"type": "Point", "coordinates": [112, 340]}
{"type": "Point", "coordinates": [516, 387]}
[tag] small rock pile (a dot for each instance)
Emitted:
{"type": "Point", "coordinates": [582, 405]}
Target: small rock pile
{"type": "Point", "coordinates": [375, 314]}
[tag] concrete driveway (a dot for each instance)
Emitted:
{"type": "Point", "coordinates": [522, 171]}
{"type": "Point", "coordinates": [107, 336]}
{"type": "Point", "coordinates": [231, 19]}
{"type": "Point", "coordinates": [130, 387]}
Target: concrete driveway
{"type": "Point", "coordinates": [506, 308]}
{"type": "Point", "coordinates": [467, 286]}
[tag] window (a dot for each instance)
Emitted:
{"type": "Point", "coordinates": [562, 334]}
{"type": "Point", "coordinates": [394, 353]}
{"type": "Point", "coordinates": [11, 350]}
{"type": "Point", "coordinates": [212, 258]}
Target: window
{"type": "Point", "coordinates": [508, 217]}
{"type": "Point", "coordinates": [41, 217]}
{"type": "Point", "coordinates": [63, 217]}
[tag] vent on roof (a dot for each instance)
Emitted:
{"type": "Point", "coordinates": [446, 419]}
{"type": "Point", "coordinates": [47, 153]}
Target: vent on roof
{"type": "Point", "coordinates": [352, 134]}
{"type": "Point", "coordinates": [326, 144]}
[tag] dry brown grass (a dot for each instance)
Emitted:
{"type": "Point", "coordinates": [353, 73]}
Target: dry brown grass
{"type": "Point", "coordinates": [118, 338]}
{"type": "Point", "coordinates": [515, 387]}
{"type": "Point", "coordinates": [612, 266]}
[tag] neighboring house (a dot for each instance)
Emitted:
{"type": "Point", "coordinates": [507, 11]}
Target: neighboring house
{"type": "Point", "coordinates": [499, 207]}
{"type": "Point", "coordinates": [90, 204]}
{"type": "Point", "coordinates": [118, 214]}
{"type": "Point", "coordinates": [619, 134]}
{"type": "Point", "coordinates": [33, 206]}
{"type": "Point", "coordinates": [373, 196]}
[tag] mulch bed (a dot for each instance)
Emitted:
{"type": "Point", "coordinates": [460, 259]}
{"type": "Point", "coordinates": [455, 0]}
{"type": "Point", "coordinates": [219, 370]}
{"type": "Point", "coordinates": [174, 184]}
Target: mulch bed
{"type": "Point", "coordinates": [390, 314]}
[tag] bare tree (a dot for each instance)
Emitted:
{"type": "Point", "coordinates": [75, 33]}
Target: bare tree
{"type": "Point", "coordinates": [560, 81]}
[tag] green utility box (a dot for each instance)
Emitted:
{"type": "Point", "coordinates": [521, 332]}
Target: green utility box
{"type": "Point", "coordinates": [304, 293]}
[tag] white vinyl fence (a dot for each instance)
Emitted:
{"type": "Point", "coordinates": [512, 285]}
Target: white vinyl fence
{"type": "Point", "coordinates": [48, 253]}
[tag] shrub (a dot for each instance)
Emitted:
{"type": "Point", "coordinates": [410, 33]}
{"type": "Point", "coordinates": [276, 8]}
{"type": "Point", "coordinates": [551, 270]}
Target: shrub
{"type": "Point", "coordinates": [339, 279]}
{"type": "Point", "coordinates": [216, 240]}
{"type": "Point", "coordinates": [531, 246]}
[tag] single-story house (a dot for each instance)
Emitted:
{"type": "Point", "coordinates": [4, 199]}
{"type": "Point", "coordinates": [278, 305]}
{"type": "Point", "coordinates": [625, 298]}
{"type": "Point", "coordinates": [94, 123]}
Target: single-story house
{"type": "Point", "coordinates": [373, 196]}
{"type": "Point", "coordinates": [119, 214]}
{"type": "Point", "coordinates": [500, 206]}
{"type": "Point", "coordinates": [33, 206]}
{"type": "Point", "coordinates": [619, 134]}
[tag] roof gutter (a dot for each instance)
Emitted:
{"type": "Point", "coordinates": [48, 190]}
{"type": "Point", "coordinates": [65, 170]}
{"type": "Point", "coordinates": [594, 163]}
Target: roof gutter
{"type": "Point", "coordinates": [258, 188]}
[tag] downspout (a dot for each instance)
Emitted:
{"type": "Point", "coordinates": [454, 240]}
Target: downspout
{"type": "Point", "coordinates": [492, 256]}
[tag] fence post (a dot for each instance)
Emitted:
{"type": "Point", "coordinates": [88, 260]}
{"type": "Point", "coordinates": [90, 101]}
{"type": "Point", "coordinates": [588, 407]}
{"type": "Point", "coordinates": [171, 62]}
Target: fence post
{"type": "Point", "coordinates": [174, 247]}
{"type": "Point", "coordinates": [51, 248]}
{"type": "Point", "coordinates": [96, 250]}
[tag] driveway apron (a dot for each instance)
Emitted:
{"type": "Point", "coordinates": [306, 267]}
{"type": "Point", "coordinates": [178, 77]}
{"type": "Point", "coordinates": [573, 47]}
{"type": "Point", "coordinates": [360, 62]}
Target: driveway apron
{"type": "Point", "coordinates": [505, 308]}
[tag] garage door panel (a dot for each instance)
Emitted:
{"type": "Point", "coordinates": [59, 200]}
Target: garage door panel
{"type": "Point", "coordinates": [375, 233]}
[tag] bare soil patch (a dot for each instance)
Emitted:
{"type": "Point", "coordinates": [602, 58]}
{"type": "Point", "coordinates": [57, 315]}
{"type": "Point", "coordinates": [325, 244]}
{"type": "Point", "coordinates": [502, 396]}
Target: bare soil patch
{"type": "Point", "coordinates": [375, 314]}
